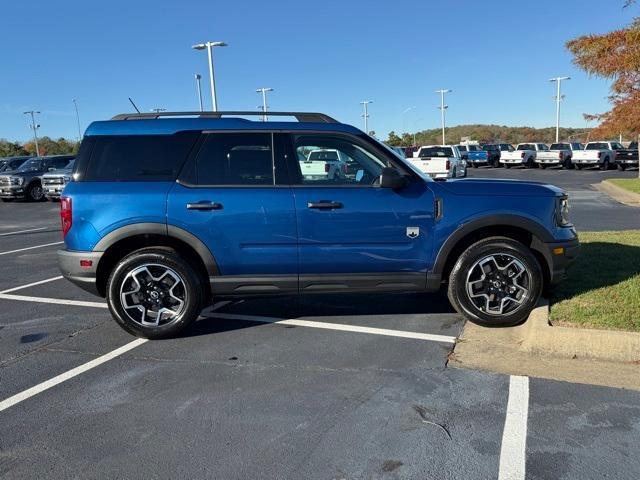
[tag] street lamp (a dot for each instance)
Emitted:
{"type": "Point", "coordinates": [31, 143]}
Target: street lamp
{"type": "Point", "coordinates": [442, 108]}
{"type": "Point", "coordinates": [264, 91]}
{"type": "Point", "coordinates": [365, 115]}
{"type": "Point", "coordinates": [34, 127]}
{"type": "Point", "coordinates": [558, 81]}
{"type": "Point", "coordinates": [199, 89]}
{"type": "Point", "coordinates": [209, 46]}
{"type": "Point", "coordinates": [75, 104]}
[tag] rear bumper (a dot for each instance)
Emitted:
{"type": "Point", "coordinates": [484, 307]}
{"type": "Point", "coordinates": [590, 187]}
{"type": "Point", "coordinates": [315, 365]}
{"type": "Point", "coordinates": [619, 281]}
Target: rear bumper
{"type": "Point", "coordinates": [83, 277]}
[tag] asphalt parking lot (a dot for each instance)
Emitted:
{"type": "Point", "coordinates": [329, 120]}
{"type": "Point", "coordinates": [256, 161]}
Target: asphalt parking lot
{"type": "Point", "coordinates": [325, 387]}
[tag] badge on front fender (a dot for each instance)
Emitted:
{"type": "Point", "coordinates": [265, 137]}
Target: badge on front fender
{"type": "Point", "coordinates": [413, 232]}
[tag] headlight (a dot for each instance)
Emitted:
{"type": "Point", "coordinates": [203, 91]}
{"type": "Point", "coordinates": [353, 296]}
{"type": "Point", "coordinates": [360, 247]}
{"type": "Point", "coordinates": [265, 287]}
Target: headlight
{"type": "Point", "coordinates": [562, 211]}
{"type": "Point", "coordinates": [66, 178]}
{"type": "Point", "coordinates": [17, 180]}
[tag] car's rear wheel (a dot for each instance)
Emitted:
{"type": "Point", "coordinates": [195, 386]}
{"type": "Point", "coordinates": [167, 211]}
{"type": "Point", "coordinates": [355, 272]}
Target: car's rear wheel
{"type": "Point", "coordinates": [154, 293]}
{"type": "Point", "coordinates": [506, 165]}
{"type": "Point", "coordinates": [35, 192]}
{"type": "Point", "coordinates": [605, 165]}
{"type": "Point", "coordinates": [543, 166]}
{"type": "Point", "coordinates": [495, 282]}
{"type": "Point", "coordinates": [579, 167]}
{"type": "Point", "coordinates": [622, 167]}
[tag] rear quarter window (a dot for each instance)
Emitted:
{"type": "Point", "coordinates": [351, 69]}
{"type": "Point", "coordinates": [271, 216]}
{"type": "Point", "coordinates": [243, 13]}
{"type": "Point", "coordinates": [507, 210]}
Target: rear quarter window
{"type": "Point", "coordinates": [136, 158]}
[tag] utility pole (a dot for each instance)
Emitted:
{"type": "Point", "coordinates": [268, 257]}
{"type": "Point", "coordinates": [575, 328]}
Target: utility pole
{"type": "Point", "coordinates": [209, 46]}
{"type": "Point", "coordinates": [365, 115]}
{"type": "Point", "coordinates": [34, 127]}
{"type": "Point", "coordinates": [265, 107]}
{"type": "Point", "coordinates": [75, 104]}
{"type": "Point", "coordinates": [199, 89]}
{"type": "Point", "coordinates": [442, 108]}
{"type": "Point", "coordinates": [558, 81]}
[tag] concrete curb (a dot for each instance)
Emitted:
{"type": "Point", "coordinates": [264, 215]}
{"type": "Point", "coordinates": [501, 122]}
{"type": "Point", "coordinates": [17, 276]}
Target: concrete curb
{"type": "Point", "coordinates": [619, 194]}
{"type": "Point", "coordinates": [540, 337]}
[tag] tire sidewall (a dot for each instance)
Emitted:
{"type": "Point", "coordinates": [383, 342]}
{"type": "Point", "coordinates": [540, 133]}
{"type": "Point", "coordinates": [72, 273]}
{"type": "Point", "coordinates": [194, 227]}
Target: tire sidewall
{"type": "Point", "coordinates": [171, 260]}
{"type": "Point", "coordinates": [457, 281]}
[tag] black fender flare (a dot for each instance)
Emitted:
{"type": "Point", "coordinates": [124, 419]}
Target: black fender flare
{"type": "Point", "coordinates": [537, 230]}
{"type": "Point", "coordinates": [162, 229]}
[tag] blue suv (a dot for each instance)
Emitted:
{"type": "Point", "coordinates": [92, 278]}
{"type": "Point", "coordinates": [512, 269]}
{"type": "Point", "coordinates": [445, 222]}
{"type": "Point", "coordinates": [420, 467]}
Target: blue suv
{"type": "Point", "coordinates": [170, 211]}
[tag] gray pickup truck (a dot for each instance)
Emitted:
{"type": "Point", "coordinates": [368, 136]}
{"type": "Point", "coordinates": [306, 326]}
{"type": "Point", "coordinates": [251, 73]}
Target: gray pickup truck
{"type": "Point", "coordinates": [26, 180]}
{"type": "Point", "coordinates": [54, 182]}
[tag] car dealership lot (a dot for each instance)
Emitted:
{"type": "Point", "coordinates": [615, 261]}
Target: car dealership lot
{"type": "Point", "coordinates": [349, 387]}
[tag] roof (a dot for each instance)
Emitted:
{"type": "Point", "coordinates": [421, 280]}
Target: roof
{"type": "Point", "coordinates": [167, 123]}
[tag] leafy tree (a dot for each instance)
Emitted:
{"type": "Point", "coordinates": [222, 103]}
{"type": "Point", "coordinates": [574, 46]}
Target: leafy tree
{"type": "Point", "coordinates": [615, 56]}
{"type": "Point", "coordinates": [394, 140]}
{"type": "Point", "coordinates": [46, 145]}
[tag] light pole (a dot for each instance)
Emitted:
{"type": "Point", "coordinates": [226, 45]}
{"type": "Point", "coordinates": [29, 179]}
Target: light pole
{"type": "Point", "coordinates": [209, 46]}
{"type": "Point", "coordinates": [365, 115]}
{"type": "Point", "coordinates": [558, 81]}
{"type": "Point", "coordinates": [34, 127]}
{"type": "Point", "coordinates": [199, 88]}
{"type": "Point", "coordinates": [442, 108]}
{"type": "Point", "coordinates": [265, 107]}
{"type": "Point", "coordinates": [158, 110]}
{"type": "Point", "coordinates": [75, 104]}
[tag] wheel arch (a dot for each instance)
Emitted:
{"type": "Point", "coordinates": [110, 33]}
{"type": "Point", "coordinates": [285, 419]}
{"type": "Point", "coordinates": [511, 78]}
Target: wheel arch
{"type": "Point", "coordinates": [129, 238]}
{"type": "Point", "coordinates": [523, 230]}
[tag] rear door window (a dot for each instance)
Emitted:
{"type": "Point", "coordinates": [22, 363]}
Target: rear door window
{"type": "Point", "coordinates": [243, 159]}
{"type": "Point", "coordinates": [138, 158]}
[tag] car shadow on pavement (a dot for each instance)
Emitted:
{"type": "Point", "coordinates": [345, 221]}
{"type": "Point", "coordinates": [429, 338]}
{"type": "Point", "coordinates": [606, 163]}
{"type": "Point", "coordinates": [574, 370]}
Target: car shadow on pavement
{"type": "Point", "coordinates": [600, 264]}
{"type": "Point", "coordinates": [315, 306]}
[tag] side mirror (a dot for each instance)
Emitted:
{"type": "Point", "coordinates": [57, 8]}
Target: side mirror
{"type": "Point", "coordinates": [391, 178]}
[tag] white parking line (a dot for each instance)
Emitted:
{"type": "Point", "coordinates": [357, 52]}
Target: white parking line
{"type": "Point", "coordinates": [30, 248]}
{"type": "Point", "coordinates": [514, 436]}
{"type": "Point", "coordinates": [32, 284]}
{"type": "Point", "coordinates": [23, 231]}
{"type": "Point", "coordinates": [253, 318]}
{"type": "Point", "coordinates": [55, 301]}
{"type": "Point", "coordinates": [41, 387]}
{"type": "Point", "coordinates": [338, 326]}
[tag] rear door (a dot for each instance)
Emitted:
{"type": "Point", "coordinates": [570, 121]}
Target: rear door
{"type": "Point", "coordinates": [352, 233]}
{"type": "Point", "coordinates": [233, 195]}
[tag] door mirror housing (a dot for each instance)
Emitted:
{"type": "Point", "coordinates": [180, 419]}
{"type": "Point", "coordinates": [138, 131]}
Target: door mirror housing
{"type": "Point", "coordinates": [391, 178]}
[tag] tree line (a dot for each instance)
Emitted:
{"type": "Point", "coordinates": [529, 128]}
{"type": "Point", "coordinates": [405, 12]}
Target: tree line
{"type": "Point", "coordinates": [488, 134]}
{"type": "Point", "coordinates": [46, 146]}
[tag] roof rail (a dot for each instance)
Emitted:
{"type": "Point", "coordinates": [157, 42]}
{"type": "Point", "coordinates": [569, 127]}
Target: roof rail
{"type": "Point", "coordinates": [300, 116]}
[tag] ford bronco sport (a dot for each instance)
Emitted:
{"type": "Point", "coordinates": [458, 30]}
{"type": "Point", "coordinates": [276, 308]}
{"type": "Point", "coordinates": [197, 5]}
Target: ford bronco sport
{"type": "Point", "coordinates": [168, 211]}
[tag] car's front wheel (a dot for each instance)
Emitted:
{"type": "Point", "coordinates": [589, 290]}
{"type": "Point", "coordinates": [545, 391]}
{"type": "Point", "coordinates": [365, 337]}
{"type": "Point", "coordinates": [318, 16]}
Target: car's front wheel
{"type": "Point", "coordinates": [154, 293]}
{"type": "Point", "coordinates": [495, 282]}
{"type": "Point", "coordinates": [35, 192]}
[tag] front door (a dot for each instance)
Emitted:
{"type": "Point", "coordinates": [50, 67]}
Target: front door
{"type": "Point", "coordinates": [352, 233]}
{"type": "Point", "coordinates": [233, 195]}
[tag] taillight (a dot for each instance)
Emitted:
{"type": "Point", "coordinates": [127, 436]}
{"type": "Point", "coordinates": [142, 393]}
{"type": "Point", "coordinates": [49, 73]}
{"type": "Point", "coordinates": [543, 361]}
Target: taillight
{"type": "Point", "coordinates": [448, 164]}
{"type": "Point", "coordinates": [522, 155]}
{"type": "Point", "coordinates": [327, 167]}
{"type": "Point", "coordinates": [66, 216]}
{"type": "Point", "coordinates": [345, 168]}
{"type": "Point", "coordinates": [560, 155]}
{"type": "Point", "coordinates": [599, 154]}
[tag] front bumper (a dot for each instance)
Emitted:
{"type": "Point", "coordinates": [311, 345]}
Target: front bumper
{"type": "Point", "coordinates": [12, 192]}
{"type": "Point", "coordinates": [83, 277]}
{"type": "Point", "coordinates": [559, 256]}
{"type": "Point", "coordinates": [625, 161]}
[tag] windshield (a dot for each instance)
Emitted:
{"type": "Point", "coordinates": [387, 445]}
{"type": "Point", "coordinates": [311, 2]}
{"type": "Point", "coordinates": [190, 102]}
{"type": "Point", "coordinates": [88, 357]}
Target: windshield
{"type": "Point", "coordinates": [474, 148]}
{"type": "Point", "coordinates": [69, 166]}
{"type": "Point", "coordinates": [32, 165]}
{"type": "Point", "coordinates": [323, 155]}
{"type": "Point", "coordinates": [596, 146]}
{"type": "Point", "coordinates": [436, 152]}
{"type": "Point", "coordinates": [506, 148]}
{"type": "Point", "coordinates": [559, 146]}
{"type": "Point", "coordinates": [525, 146]}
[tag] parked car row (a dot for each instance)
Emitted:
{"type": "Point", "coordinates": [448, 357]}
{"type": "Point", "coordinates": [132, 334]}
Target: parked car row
{"type": "Point", "coordinates": [450, 161]}
{"type": "Point", "coordinates": [34, 178]}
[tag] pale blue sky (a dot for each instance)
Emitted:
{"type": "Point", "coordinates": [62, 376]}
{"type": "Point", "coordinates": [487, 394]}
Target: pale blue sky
{"type": "Point", "coordinates": [323, 56]}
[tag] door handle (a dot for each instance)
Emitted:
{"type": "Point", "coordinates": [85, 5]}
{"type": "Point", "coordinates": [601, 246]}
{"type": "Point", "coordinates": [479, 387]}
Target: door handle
{"type": "Point", "coordinates": [324, 205]}
{"type": "Point", "coordinates": [204, 206]}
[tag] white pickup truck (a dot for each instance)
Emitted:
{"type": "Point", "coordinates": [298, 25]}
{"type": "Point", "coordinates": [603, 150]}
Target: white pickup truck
{"type": "Point", "coordinates": [558, 154]}
{"type": "Point", "coordinates": [324, 164]}
{"type": "Point", "coordinates": [440, 161]}
{"type": "Point", "coordinates": [600, 154]}
{"type": "Point", "coordinates": [524, 154]}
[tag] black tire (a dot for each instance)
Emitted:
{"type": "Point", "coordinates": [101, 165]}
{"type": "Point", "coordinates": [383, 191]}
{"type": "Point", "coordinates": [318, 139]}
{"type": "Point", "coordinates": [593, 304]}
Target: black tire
{"type": "Point", "coordinates": [503, 248]}
{"type": "Point", "coordinates": [506, 165]}
{"type": "Point", "coordinates": [543, 166]}
{"type": "Point", "coordinates": [454, 173]}
{"type": "Point", "coordinates": [496, 164]}
{"type": "Point", "coordinates": [622, 167]}
{"type": "Point", "coordinates": [35, 192]}
{"type": "Point", "coordinates": [568, 165]}
{"type": "Point", "coordinates": [157, 257]}
{"type": "Point", "coordinates": [605, 164]}
{"type": "Point", "coordinates": [579, 167]}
